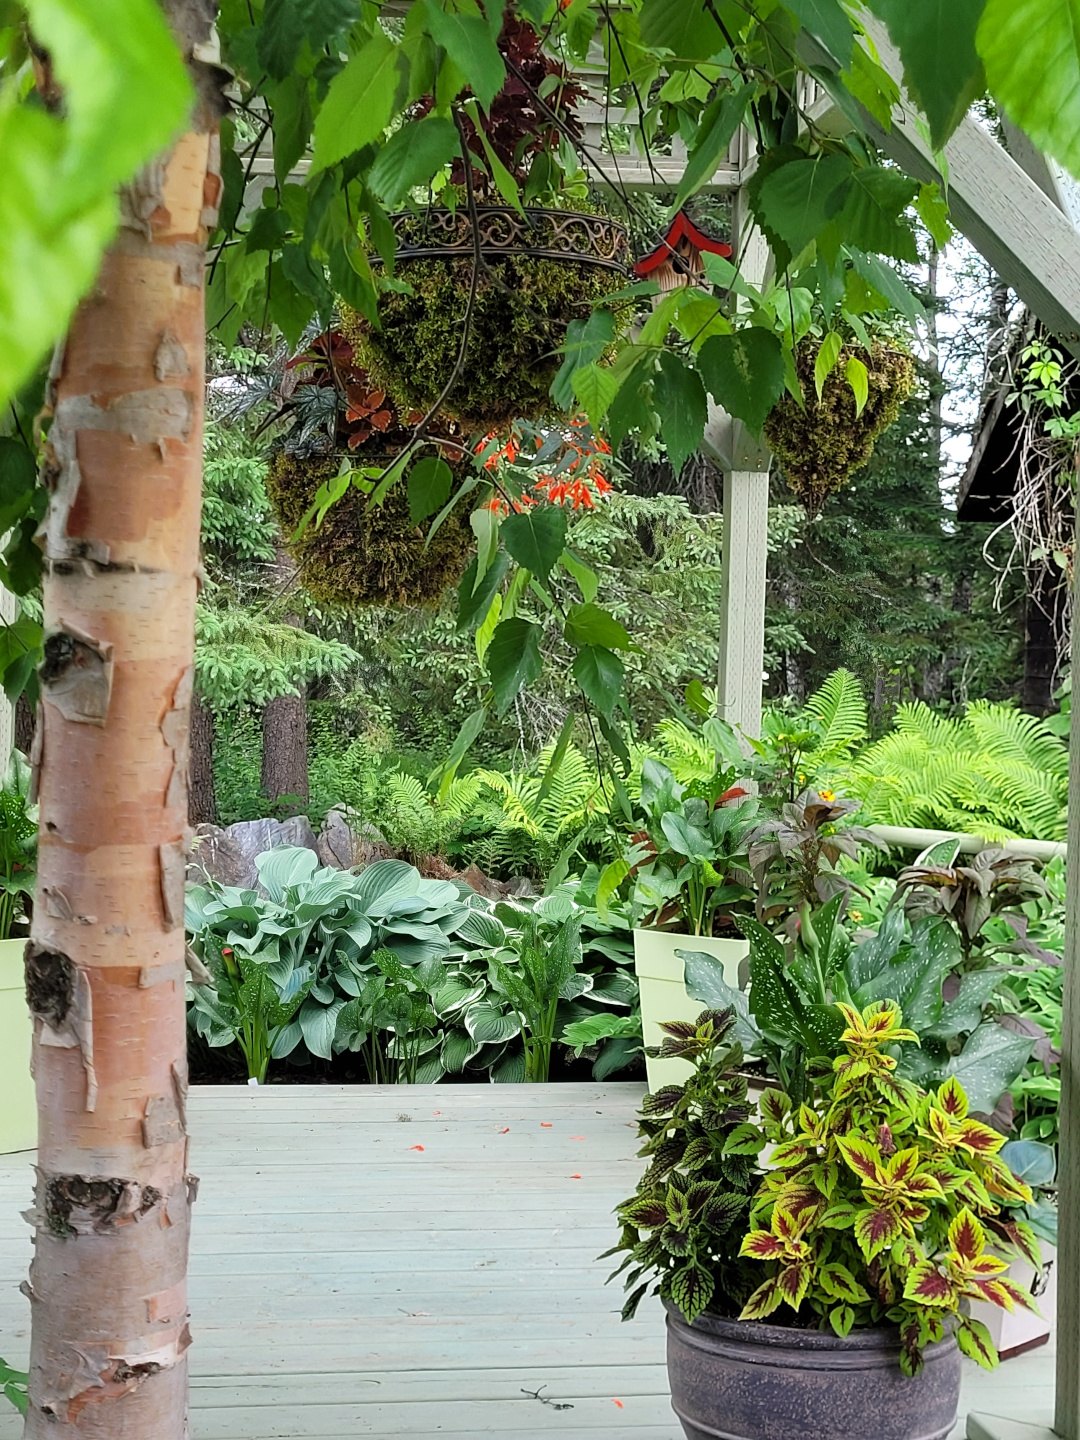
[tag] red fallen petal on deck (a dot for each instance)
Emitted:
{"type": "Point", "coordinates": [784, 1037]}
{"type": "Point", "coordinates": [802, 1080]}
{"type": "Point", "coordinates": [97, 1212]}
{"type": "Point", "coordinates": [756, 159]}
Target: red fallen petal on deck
{"type": "Point", "coordinates": [575, 1177]}
{"type": "Point", "coordinates": [545, 1124]}
{"type": "Point", "coordinates": [618, 1402]}
{"type": "Point", "coordinates": [505, 1130]}
{"type": "Point", "coordinates": [577, 1137]}
{"type": "Point", "coordinates": [416, 1147]}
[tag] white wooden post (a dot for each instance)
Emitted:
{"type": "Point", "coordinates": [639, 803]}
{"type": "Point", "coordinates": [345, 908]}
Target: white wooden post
{"type": "Point", "coordinates": [9, 609]}
{"type": "Point", "coordinates": [745, 463]}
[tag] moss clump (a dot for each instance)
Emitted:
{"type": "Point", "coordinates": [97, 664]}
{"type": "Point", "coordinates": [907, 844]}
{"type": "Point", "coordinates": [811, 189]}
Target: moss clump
{"type": "Point", "coordinates": [523, 307]}
{"type": "Point", "coordinates": [822, 442]}
{"type": "Point", "coordinates": [360, 554]}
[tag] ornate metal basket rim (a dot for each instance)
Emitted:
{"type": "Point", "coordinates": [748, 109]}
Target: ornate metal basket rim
{"type": "Point", "coordinates": [494, 249]}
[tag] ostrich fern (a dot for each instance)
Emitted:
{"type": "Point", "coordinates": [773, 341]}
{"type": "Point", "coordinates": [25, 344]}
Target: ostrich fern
{"type": "Point", "coordinates": [996, 772]}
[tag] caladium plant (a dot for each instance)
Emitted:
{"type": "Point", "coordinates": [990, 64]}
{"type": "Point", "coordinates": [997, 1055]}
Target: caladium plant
{"type": "Point", "coordinates": [876, 1201]}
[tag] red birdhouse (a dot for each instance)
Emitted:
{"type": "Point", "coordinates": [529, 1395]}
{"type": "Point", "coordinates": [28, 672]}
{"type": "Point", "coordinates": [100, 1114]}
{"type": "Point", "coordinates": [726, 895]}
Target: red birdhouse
{"type": "Point", "coordinates": [676, 261]}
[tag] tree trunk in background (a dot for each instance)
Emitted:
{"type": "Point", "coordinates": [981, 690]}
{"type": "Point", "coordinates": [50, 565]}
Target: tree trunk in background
{"type": "Point", "coordinates": [1044, 624]}
{"type": "Point", "coordinates": [25, 725]}
{"type": "Point", "coordinates": [105, 964]}
{"type": "Point", "coordinates": [202, 796]}
{"type": "Point", "coordinates": [284, 744]}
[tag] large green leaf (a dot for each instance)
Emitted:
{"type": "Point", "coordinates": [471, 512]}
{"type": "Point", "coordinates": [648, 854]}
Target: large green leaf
{"type": "Point", "coordinates": [428, 487]}
{"type": "Point", "coordinates": [685, 27]}
{"type": "Point", "coordinates": [487, 1025]}
{"type": "Point", "coordinates": [591, 625]}
{"type": "Point", "coordinates": [474, 600]}
{"type": "Point", "coordinates": [126, 96]}
{"type": "Point", "coordinates": [744, 373]}
{"type": "Point", "coordinates": [873, 214]}
{"type": "Point", "coordinates": [683, 408]}
{"type": "Point", "coordinates": [360, 101]}
{"type": "Point", "coordinates": [936, 40]}
{"type": "Point", "coordinates": [796, 201]}
{"type": "Point", "coordinates": [774, 1002]}
{"type": "Point", "coordinates": [889, 285]}
{"type": "Point", "coordinates": [1031, 51]}
{"type": "Point", "coordinates": [468, 41]}
{"type": "Point", "coordinates": [318, 1025]}
{"type": "Point", "coordinates": [535, 537]}
{"type": "Point", "coordinates": [829, 22]}
{"type": "Point", "coordinates": [513, 659]}
{"type": "Point", "coordinates": [600, 673]}
{"type": "Point", "coordinates": [411, 157]}
{"type": "Point", "coordinates": [716, 129]}
{"type": "Point", "coordinates": [286, 24]}
{"type": "Point", "coordinates": [914, 979]}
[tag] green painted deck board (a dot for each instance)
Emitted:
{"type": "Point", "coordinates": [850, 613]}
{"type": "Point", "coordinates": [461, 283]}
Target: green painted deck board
{"type": "Point", "coordinates": [344, 1284]}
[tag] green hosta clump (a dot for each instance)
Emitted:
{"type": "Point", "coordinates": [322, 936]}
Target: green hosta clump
{"type": "Point", "coordinates": [874, 1205]}
{"type": "Point", "coordinates": [682, 1227]}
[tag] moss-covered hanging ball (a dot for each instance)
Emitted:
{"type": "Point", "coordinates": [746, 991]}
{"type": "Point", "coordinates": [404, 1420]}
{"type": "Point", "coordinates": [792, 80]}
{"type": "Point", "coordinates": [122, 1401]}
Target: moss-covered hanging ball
{"type": "Point", "coordinates": [821, 443]}
{"type": "Point", "coordinates": [524, 304]}
{"type": "Point", "coordinates": [364, 554]}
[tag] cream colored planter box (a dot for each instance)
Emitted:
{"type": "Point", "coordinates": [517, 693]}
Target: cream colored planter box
{"type": "Point", "coordinates": [663, 991]}
{"type": "Point", "coordinates": [18, 1108]}
{"type": "Point", "coordinates": [1023, 1330]}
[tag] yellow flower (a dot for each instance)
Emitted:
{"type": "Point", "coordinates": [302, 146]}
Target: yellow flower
{"type": "Point", "coordinates": [828, 795]}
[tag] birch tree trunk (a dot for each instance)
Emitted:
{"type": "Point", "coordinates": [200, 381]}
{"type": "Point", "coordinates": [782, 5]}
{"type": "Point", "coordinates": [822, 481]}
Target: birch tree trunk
{"type": "Point", "coordinates": [105, 965]}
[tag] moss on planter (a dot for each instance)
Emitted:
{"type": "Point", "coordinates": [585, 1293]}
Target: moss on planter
{"type": "Point", "coordinates": [822, 443]}
{"type": "Point", "coordinates": [523, 307]}
{"type": "Point", "coordinates": [360, 554]}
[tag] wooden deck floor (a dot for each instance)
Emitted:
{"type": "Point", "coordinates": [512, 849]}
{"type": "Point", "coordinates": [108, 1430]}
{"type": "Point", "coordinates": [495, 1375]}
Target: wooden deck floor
{"type": "Point", "coordinates": [346, 1282]}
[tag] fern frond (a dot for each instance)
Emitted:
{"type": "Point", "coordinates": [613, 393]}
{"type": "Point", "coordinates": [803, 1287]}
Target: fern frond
{"type": "Point", "coordinates": [840, 709]}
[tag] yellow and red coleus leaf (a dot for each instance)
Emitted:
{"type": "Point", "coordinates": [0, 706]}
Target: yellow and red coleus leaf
{"type": "Point", "coordinates": [876, 1228]}
{"type": "Point", "coordinates": [838, 1282]}
{"type": "Point", "coordinates": [762, 1302]}
{"type": "Point", "coordinates": [978, 1139]}
{"type": "Point", "coordinates": [762, 1245]}
{"type": "Point", "coordinates": [773, 1106]}
{"type": "Point", "coordinates": [841, 1216]}
{"type": "Point", "coordinates": [900, 1168]}
{"type": "Point", "coordinates": [790, 1153]}
{"type": "Point", "coordinates": [863, 1158]}
{"type": "Point", "coordinates": [1023, 1238]}
{"type": "Point", "coordinates": [1009, 1294]}
{"type": "Point", "coordinates": [1001, 1181]}
{"type": "Point", "coordinates": [794, 1281]}
{"type": "Point", "coordinates": [790, 1226]}
{"type": "Point", "coordinates": [967, 1238]}
{"type": "Point", "coordinates": [930, 1286]}
{"type": "Point", "coordinates": [951, 1099]}
{"type": "Point", "coordinates": [924, 1186]}
{"type": "Point", "coordinates": [974, 1340]}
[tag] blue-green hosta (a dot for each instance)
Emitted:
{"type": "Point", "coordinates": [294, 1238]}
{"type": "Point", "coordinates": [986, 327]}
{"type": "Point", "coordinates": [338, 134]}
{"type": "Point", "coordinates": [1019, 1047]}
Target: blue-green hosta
{"type": "Point", "coordinates": [408, 972]}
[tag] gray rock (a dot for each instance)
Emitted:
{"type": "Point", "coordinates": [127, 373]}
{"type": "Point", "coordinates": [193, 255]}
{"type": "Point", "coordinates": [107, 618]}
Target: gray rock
{"type": "Point", "coordinates": [216, 856]}
{"type": "Point", "coordinates": [228, 856]}
{"type": "Point", "coordinates": [520, 887]}
{"type": "Point", "coordinates": [347, 847]}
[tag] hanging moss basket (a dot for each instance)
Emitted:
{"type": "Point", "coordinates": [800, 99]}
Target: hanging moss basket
{"type": "Point", "coordinates": [821, 443]}
{"type": "Point", "coordinates": [364, 554]}
{"type": "Point", "coordinates": [540, 271]}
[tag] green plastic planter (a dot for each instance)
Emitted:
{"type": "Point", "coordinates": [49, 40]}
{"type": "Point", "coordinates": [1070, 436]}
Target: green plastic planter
{"type": "Point", "coordinates": [18, 1107]}
{"type": "Point", "coordinates": [663, 991]}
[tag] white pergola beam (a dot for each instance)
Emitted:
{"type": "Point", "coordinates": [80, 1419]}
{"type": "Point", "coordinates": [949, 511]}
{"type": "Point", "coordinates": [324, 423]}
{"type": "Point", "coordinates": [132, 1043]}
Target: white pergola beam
{"type": "Point", "coordinates": [1007, 216]}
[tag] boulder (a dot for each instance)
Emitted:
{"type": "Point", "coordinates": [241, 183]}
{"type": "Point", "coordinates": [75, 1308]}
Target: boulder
{"type": "Point", "coordinates": [216, 856]}
{"type": "Point", "coordinates": [344, 848]}
{"type": "Point", "coordinates": [483, 884]}
{"type": "Point", "coordinates": [228, 856]}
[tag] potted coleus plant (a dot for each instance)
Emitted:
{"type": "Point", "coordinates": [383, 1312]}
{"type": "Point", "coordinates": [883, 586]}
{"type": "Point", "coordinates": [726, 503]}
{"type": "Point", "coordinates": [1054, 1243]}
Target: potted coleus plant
{"type": "Point", "coordinates": [18, 856]}
{"type": "Point", "coordinates": [866, 1229]}
{"type": "Point", "coordinates": [688, 867]}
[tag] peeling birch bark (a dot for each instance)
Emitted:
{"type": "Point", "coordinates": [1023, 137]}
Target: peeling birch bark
{"type": "Point", "coordinates": [106, 964]}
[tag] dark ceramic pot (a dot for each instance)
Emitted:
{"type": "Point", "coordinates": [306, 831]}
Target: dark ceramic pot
{"type": "Point", "coordinates": [741, 1380]}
